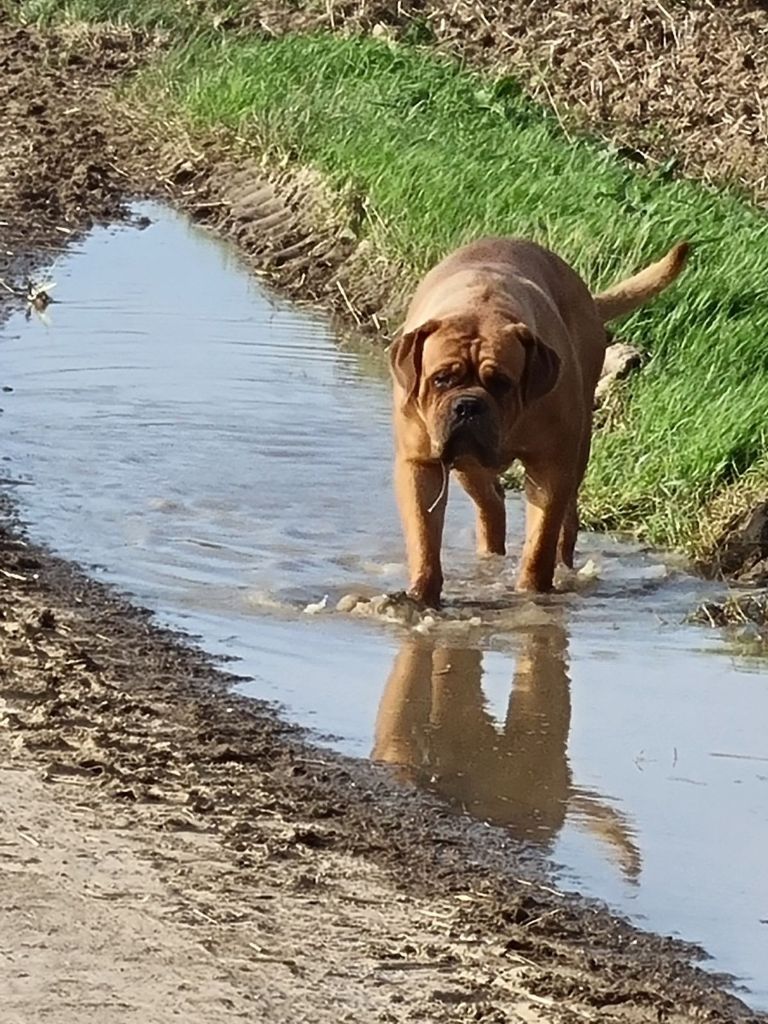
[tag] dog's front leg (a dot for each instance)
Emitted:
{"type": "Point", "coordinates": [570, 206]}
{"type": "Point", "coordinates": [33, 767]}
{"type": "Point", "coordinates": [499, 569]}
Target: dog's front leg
{"type": "Point", "coordinates": [422, 490]}
{"type": "Point", "coordinates": [548, 497]}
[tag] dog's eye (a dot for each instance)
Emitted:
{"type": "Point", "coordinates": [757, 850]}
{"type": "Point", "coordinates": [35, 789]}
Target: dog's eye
{"type": "Point", "coordinates": [443, 380]}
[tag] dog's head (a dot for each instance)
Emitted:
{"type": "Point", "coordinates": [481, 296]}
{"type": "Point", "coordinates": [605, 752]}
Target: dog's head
{"type": "Point", "coordinates": [470, 381]}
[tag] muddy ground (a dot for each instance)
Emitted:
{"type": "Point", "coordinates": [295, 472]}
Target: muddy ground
{"type": "Point", "coordinates": [169, 849]}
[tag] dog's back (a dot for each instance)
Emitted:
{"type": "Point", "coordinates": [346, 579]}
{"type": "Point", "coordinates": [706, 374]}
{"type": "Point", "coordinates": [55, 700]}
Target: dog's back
{"type": "Point", "coordinates": [506, 261]}
{"type": "Point", "coordinates": [534, 284]}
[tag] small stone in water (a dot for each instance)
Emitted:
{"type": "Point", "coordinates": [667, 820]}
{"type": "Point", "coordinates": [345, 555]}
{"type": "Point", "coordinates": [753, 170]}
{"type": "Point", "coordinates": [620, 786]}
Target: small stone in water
{"type": "Point", "coordinates": [590, 570]}
{"type": "Point", "coordinates": [378, 604]}
{"type": "Point", "coordinates": [318, 606]}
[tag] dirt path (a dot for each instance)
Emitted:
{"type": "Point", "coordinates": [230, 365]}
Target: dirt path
{"type": "Point", "coordinates": [88, 928]}
{"type": "Point", "coordinates": [111, 921]}
{"type": "Point", "coordinates": [171, 850]}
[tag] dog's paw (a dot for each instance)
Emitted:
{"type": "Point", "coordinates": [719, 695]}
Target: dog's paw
{"type": "Point", "coordinates": [405, 602]}
{"type": "Point", "coordinates": [396, 607]}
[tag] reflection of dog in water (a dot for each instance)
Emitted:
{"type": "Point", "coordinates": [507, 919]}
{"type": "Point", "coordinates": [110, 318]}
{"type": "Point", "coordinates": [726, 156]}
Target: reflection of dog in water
{"type": "Point", "coordinates": [434, 725]}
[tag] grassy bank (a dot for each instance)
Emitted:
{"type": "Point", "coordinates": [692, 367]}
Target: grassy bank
{"type": "Point", "coordinates": [439, 155]}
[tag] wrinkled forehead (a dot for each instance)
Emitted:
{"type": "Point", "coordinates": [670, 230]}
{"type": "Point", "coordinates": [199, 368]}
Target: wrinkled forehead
{"type": "Point", "coordinates": [446, 345]}
{"type": "Point", "coordinates": [451, 345]}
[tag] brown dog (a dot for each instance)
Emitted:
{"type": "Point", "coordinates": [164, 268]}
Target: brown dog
{"type": "Point", "coordinates": [498, 360]}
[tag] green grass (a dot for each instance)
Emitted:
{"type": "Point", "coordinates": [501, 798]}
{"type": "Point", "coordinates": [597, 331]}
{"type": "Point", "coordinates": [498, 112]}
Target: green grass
{"type": "Point", "coordinates": [444, 155]}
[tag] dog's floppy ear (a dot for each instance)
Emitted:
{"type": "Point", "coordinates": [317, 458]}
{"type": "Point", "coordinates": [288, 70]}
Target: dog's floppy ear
{"type": "Point", "coordinates": [405, 357]}
{"type": "Point", "coordinates": [542, 367]}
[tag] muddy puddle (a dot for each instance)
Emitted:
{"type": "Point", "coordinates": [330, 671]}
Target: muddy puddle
{"type": "Point", "coordinates": [217, 453]}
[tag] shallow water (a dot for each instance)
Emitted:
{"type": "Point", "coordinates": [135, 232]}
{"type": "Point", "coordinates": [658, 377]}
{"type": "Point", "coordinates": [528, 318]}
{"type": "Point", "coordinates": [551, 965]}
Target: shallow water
{"type": "Point", "coordinates": [215, 451]}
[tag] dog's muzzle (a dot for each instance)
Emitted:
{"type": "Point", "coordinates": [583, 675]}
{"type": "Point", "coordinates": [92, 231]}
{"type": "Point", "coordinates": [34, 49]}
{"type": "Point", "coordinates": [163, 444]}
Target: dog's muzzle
{"type": "Point", "coordinates": [470, 431]}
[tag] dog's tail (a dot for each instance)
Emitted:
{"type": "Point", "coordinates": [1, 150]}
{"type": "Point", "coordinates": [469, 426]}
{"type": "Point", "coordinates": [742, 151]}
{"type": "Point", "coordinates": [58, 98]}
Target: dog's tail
{"type": "Point", "coordinates": [634, 291]}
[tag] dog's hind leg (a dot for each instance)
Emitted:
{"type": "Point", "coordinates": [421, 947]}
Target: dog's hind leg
{"type": "Point", "coordinates": [549, 496]}
{"type": "Point", "coordinates": [484, 488]}
{"type": "Point", "coordinates": [569, 531]}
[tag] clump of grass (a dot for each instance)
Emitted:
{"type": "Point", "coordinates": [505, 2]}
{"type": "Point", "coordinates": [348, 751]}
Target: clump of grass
{"type": "Point", "coordinates": [734, 609]}
{"type": "Point", "coordinates": [444, 155]}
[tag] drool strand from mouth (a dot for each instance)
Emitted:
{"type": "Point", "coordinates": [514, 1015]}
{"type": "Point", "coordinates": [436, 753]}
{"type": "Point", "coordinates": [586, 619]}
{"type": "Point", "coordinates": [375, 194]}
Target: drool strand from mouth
{"type": "Point", "coordinates": [443, 486]}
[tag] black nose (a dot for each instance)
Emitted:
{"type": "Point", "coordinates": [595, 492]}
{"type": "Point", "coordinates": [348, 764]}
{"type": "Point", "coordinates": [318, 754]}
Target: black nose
{"type": "Point", "coordinates": [467, 408]}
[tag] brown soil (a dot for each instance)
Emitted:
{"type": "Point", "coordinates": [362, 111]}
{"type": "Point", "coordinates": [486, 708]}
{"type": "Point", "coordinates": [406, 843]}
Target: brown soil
{"type": "Point", "coordinates": [57, 170]}
{"type": "Point", "coordinates": [170, 849]}
{"type": "Point", "coordinates": [743, 551]}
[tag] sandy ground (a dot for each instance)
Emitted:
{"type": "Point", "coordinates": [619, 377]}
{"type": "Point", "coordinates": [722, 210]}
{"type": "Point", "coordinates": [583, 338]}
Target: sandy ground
{"type": "Point", "coordinates": [170, 850]}
{"type": "Point", "coordinates": [89, 928]}
{"type": "Point", "coordinates": [110, 920]}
